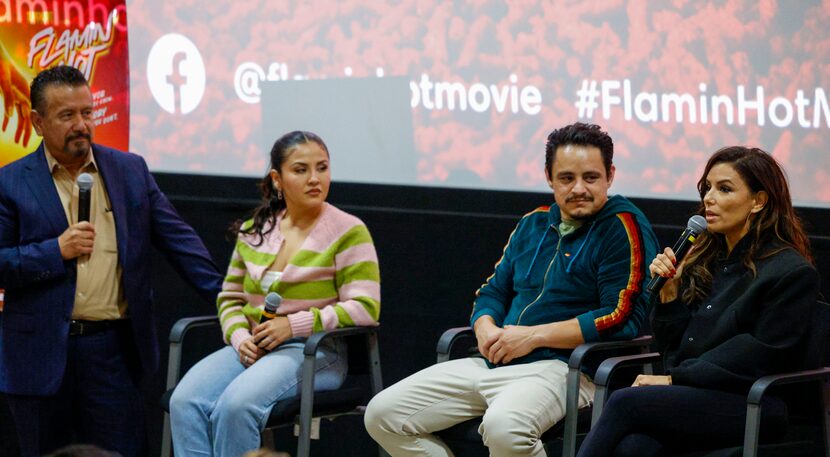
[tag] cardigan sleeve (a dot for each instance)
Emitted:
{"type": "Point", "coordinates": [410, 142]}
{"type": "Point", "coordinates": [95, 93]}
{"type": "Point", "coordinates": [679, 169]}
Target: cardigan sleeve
{"type": "Point", "coordinates": [357, 280]}
{"type": "Point", "coordinates": [230, 301]}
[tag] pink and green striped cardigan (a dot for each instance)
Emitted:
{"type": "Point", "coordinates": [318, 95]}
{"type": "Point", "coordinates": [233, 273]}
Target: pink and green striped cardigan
{"type": "Point", "coordinates": [333, 280]}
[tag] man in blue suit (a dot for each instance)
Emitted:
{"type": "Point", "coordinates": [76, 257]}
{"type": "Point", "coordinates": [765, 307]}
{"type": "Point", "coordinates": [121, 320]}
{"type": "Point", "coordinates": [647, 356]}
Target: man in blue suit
{"type": "Point", "coordinates": [77, 331]}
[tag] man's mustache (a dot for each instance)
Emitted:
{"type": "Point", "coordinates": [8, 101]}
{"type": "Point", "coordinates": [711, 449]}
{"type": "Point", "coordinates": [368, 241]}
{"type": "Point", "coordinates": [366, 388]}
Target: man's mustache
{"type": "Point", "coordinates": [574, 198]}
{"type": "Point", "coordinates": [87, 136]}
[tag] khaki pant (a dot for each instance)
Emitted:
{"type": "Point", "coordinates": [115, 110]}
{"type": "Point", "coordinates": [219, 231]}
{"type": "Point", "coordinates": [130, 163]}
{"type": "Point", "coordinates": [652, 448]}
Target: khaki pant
{"type": "Point", "coordinates": [518, 402]}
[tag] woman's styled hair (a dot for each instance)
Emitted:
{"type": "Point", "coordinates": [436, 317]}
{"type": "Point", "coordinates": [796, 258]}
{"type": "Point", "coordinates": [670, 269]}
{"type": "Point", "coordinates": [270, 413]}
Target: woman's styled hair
{"type": "Point", "coordinates": [272, 201]}
{"type": "Point", "coordinates": [776, 224]}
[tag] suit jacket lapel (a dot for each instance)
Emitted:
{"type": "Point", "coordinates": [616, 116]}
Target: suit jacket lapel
{"type": "Point", "coordinates": [114, 181]}
{"type": "Point", "coordinates": [42, 186]}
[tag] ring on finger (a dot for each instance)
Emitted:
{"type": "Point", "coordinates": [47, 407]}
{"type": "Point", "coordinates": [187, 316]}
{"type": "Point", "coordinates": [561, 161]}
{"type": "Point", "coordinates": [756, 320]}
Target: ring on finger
{"type": "Point", "coordinates": [245, 359]}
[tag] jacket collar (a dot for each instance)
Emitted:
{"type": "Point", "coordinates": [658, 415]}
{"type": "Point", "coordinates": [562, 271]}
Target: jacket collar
{"type": "Point", "coordinates": [39, 180]}
{"type": "Point", "coordinates": [737, 253]}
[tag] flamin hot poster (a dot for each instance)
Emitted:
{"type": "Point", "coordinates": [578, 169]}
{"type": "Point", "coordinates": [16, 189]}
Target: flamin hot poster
{"type": "Point", "coordinates": [90, 35]}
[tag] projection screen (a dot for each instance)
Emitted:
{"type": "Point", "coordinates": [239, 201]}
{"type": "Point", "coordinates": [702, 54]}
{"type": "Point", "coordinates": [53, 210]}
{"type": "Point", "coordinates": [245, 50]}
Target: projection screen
{"type": "Point", "coordinates": [464, 94]}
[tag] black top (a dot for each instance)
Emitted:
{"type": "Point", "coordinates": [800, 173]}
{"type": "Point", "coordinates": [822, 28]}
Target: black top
{"type": "Point", "coordinates": [746, 328]}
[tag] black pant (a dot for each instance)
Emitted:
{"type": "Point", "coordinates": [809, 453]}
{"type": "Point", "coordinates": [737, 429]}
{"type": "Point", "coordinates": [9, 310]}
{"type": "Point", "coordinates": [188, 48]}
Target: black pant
{"type": "Point", "coordinates": [98, 403]}
{"type": "Point", "coordinates": [659, 420]}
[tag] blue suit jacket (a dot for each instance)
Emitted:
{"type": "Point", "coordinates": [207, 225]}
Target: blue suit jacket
{"type": "Point", "coordinates": [40, 285]}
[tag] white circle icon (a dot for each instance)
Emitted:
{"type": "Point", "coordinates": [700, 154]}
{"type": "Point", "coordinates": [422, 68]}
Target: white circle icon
{"type": "Point", "coordinates": [176, 74]}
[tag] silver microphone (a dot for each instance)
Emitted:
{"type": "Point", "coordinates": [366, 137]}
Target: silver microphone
{"type": "Point", "coordinates": [85, 183]}
{"type": "Point", "coordinates": [695, 226]}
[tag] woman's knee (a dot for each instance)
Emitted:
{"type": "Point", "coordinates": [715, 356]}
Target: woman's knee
{"type": "Point", "coordinates": [181, 400]}
{"type": "Point", "coordinates": [638, 445]}
{"type": "Point", "coordinates": [236, 402]}
{"type": "Point", "coordinates": [624, 401]}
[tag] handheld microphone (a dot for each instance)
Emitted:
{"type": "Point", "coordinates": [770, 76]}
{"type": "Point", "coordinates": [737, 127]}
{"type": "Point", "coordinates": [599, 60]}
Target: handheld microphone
{"type": "Point", "coordinates": [272, 302]}
{"type": "Point", "coordinates": [84, 196]}
{"type": "Point", "coordinates": [695, 226]}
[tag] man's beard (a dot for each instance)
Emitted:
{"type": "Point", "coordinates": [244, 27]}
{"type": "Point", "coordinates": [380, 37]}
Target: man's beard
{"type": "Point", "coordinates": [582, 213]}
{"type": "Point", "coordinates": [77, 152]}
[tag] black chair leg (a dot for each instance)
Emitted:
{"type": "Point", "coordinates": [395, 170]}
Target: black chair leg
{"type": "Point", "coordinates": [306, 404]}
{"type": "Point", "coordinates": [825, 395]}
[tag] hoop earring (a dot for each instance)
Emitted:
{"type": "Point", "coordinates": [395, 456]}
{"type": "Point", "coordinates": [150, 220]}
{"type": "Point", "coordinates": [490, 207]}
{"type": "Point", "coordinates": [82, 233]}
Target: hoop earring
{"type": "Point", "coordinates": [279, 194]}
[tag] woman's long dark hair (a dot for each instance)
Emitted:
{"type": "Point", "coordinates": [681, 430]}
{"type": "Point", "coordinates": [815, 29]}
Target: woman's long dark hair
{"type": "Point", "coordinates": [775, 224]}
{"type": "Point", "coordinates": [271, 205]}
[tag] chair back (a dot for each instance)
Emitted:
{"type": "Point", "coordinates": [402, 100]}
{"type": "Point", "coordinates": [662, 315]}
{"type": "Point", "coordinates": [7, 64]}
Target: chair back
{"type": "Point", "coordinates": [201, 342]}
{"type": "Point", "coordinates": [815, 353]}
{"type": "Point", "coordinates": [359, 373]}
{"type": "Point", "coordinates": [817, 343]}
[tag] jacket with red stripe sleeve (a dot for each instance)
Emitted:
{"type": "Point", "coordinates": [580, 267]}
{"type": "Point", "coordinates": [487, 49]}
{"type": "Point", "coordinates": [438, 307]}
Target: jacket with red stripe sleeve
{"type": "Point", "coordinates": [596, 274]}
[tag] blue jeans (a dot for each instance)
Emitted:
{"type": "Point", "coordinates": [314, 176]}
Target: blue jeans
{"type": "Point", "coordinates": [219, 407]}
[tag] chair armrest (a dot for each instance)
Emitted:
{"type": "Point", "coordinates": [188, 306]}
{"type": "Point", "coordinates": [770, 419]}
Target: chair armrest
{"type": "Point", "coordinates": [313, 341]}
{"type": "Point", "coordinates": [606, 370]}
{"type": "Point", "coordinates": [309, 363]}
{"type": "Point", "coordinates": [607, 367]}
{"type": "Point", "coordinates": [752, 426]}
{"type": "Point", "coordinates": [177, 335]}
{"type": "Point", "coordinates": [185, 324]}
{"type": "Point", "coordinates": [448, 340]}
{"type": "Point", "coordinates": [580, 352]}
{"type": "Point", "coordinates": [575, 363]}
{"type": "Point", "coordinates": [759, 388]}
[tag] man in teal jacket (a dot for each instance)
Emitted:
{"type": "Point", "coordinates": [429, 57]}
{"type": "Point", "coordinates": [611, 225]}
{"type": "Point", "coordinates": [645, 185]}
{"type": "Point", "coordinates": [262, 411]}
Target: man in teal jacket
{"type": "Point", "coordinates": [571, 273]}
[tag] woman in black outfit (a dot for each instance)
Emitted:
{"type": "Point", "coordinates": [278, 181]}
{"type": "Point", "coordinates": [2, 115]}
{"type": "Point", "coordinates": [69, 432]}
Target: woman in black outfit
{"type": "Point", "coordinates": [731, 312]}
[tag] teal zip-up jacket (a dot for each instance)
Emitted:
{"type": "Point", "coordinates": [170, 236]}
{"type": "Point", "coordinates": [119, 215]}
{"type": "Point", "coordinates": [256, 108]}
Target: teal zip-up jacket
{"type": "Point", "coordinates": [596, 274]}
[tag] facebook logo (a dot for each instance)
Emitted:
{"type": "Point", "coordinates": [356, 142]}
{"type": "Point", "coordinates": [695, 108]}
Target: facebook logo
{"type": "Point", "coordinates": [176, 74]}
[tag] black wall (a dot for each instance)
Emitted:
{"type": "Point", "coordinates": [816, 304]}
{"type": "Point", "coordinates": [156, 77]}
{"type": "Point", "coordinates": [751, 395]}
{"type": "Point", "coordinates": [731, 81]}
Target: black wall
{"type": "Point", "coordinates": [436, 246]}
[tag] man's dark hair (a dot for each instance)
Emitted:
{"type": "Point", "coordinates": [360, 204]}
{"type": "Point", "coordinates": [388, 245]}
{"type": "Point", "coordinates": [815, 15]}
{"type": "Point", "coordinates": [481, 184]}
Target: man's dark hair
{"type": "Point", "coordinates": [62, 75]}
{"type": "Point", "coordinates": [582, 135]}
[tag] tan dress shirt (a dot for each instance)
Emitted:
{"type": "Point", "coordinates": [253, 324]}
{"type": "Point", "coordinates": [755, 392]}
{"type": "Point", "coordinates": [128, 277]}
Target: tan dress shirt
{"type": "Point", "coordinates": [98, 294]}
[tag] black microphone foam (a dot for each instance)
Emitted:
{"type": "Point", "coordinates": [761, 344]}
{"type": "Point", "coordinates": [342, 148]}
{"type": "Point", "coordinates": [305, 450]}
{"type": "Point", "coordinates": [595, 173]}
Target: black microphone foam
{"type": "Point", "coordinates": [84, 196]}
{"type": "Point", "coordinates": [695, 226]}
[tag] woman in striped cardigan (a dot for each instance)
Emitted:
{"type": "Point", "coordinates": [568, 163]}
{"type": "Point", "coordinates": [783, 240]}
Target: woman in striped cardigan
{"type": "Point", "coordinates": [322, 262]}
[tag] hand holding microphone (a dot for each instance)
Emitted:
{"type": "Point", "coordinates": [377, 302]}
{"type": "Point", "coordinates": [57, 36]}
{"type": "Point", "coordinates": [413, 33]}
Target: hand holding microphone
{"type": "Point", "coordinates": [261, 342]}
{"type": "Point", "coordinates": [665, 265]}
{"type": "Point", "coordinates": [249, 353]}
{"type": "Point", "coordinates": [273, 328]}
{"type": "Point", "coordinates": [79, 238]}
{"type": "Point", "coordinates": [665, 268]}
